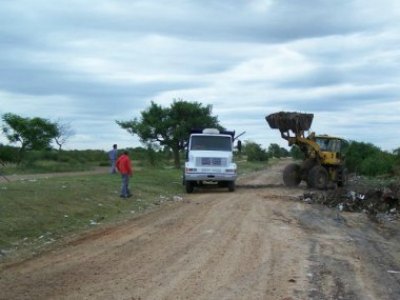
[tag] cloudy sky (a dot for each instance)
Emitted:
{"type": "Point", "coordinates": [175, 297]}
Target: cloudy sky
{"type": "Point", "coordinates": [89, 63]}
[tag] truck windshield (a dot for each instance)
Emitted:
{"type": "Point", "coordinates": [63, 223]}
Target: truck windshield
{"type": "Point", "coordinates": [219, 143]}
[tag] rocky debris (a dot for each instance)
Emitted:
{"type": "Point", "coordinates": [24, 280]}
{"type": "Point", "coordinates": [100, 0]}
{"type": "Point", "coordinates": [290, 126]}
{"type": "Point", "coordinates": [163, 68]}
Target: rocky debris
{"type": "Point", "coordinates": [162, 199]}
{"type": "Point", "coordinates": [382, 203]}
{"type": "Point", "coordinates": [177, 198]}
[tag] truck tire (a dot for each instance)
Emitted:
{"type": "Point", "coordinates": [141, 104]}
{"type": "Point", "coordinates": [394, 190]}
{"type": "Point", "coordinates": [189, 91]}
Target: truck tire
{"type": "Point", "coordinates": [318, 178]}
{"type": "Point", "coordinates": [291, 175]}
{"type": "Point", "coordinates": [189, 187]}
{"type": "Point", "coordinates": [231, 186]}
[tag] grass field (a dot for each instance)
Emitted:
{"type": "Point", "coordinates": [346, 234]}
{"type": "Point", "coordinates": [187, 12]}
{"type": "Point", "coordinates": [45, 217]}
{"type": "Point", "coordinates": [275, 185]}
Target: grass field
{"type": "Point", "coordinates": [38, 212]}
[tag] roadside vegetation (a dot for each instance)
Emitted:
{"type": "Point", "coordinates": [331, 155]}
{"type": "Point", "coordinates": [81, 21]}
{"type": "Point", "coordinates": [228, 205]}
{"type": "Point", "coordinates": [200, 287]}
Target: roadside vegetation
{"type": "Point", "coordinates": [37, 212]}
{"type": "Point", "coordinates": [369, 160]}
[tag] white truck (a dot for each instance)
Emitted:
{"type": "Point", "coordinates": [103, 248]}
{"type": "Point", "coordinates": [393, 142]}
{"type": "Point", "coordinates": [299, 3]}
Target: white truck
{"type": "Point", "coordinates": [209, 159]}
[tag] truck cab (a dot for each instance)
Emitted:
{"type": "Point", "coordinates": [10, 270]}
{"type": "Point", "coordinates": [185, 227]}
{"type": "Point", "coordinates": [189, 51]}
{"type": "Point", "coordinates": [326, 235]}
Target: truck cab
{"type": "Point", "coordinates": [210, 159]}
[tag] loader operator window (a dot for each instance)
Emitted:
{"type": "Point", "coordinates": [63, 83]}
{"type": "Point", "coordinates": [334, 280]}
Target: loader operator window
{"type": "Point", "coordinates": [335, 145]}
{"type": "Point", "coordinates": [331, 145]}
{"type": "Point", "coordinates": [323, 144]}
{"type": "Point", "coordinates": [211, 143]}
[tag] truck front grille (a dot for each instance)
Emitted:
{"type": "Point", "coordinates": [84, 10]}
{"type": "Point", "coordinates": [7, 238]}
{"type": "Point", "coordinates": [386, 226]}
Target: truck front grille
{"type": "Point", "coordinates": [211, 161]}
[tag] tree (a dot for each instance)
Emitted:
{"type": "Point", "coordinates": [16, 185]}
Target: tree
{"type": "Point", "coordinates": [397, 152]}
{"type": "Point", "coordinates": [64, 132]}
{"type": "Point", "coordinates": [368, 159]}
{"type": "Point", "coordinates": [274, 150]}
{"type": "Point", "coordinates": [32, 133]}
{"type": "Point", "coordinates": [357, 152]}
{"type": "Point", "coordinates": [170, 126]}
{"type": "Point", "coordinates": [378, 164]}
{"type": "Point", "coordinates": [255, 152]}
{"type": "Point", "coordinates": [396, 168]}
{"type": "Point", "coordinates": [296, 152]}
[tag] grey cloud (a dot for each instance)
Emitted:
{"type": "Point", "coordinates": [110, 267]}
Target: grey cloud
{"type": "Point", "coordinates": [333, 76]}
{"type": "Point", "coordinates": [36, 79]}
{"type": "Point", "coordinates": [282, 21]}
{"type": "Point", "coordinates": [319, 78]}
{"type": "Point", "coordinates": [342, 101]}
{"type": "Point", "coordinates": [196, 48]}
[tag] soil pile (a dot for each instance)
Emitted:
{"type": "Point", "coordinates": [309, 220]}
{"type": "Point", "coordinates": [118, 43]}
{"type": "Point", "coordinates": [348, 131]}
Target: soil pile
{"type": "Point", "coordinates": [294, 121]}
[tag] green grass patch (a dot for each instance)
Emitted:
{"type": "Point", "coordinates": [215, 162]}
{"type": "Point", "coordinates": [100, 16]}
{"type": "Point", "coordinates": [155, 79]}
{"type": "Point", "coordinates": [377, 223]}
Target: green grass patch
{"type": "Point", "coordinates": [47, 166]}
{"type": "Point", "coordinates": [246, 167]}
{"type": "Point", "coordinates": [41, 211]}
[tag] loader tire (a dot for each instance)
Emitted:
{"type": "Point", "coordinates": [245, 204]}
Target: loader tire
{"type": "Point", "coordinates": [291, 175]}
{"type": "Point", "coordinates": [306, 166]}
{"type": "Point", "coordinates": [318, 178]}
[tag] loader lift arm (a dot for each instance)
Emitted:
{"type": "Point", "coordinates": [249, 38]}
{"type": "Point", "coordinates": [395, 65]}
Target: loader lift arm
{"type": "Point", "coordinates": [292, 126]}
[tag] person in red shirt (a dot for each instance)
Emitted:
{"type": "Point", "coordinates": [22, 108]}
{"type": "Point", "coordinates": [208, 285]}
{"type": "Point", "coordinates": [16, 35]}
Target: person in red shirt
{"type": "Point", "coordinates": [124, 166]}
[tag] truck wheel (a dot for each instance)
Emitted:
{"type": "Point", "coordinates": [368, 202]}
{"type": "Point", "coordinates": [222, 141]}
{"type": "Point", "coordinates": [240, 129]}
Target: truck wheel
{"type": "Point", "coordinates": [189, 187]}
{"type": "Point", "coordinates": [291, 175]}
{"type": "Point", "coordinates": [231, 186]}
{"type": "Point", "coordinates": [318, 178]}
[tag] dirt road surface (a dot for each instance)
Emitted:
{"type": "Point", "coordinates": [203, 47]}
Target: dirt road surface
{"type": "Point", "coordinates": [259, 242]}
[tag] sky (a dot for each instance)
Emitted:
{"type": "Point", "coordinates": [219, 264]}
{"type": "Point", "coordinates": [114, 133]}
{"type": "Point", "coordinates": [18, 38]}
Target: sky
{"type": "Point", "coordinates": [90, 63]}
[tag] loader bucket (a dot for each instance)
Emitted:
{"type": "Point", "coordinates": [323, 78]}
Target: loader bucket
{"type": "Point", "coordinates": [285, 121]}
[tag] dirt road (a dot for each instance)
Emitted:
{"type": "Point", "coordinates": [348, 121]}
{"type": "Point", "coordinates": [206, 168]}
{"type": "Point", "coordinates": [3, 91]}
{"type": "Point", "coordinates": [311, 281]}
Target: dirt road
{"type": "Point", "coordinates": [256, 243]}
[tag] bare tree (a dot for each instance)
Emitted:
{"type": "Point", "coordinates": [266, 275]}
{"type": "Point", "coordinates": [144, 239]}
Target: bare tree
{"type": "Point", "coordinates": [64, 132]}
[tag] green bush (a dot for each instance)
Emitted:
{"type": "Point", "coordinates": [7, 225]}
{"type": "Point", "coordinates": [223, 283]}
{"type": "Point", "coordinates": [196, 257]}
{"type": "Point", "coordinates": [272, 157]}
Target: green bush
{"type": "Point", "coordinates": [357, 152]}
{"type": "Point", "coordinates": [367, 159]}
{"type": "Point", "coordinates": [378, 164]}
{"type": "Point", "coordinates": [255, 152]}
{"type": "Point", "coordinates": [85, 155]}
{"type": "Point", "coordinates": [8, 154]}
{"type": "Point", "coordinates": [274, 150]}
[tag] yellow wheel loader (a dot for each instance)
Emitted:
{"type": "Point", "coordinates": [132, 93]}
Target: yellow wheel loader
{"type": "Point", "coordinates": [323, 165]}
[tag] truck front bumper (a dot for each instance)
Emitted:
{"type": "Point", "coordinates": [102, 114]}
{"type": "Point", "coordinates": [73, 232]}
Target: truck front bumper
{"type": "Point", "coordinates": [210, 177]}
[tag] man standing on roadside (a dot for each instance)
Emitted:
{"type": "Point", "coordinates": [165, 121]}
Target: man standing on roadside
{"type": "Point", "coordinates": [112, 155]}
{"type": "Point", "coordinates": [124, 166]}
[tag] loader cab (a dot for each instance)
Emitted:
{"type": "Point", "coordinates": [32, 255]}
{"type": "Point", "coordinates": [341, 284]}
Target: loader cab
{"type": "Point", "coordinates": [332, 148]}
{"type": "Point", "coordinates": [328, 144]}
